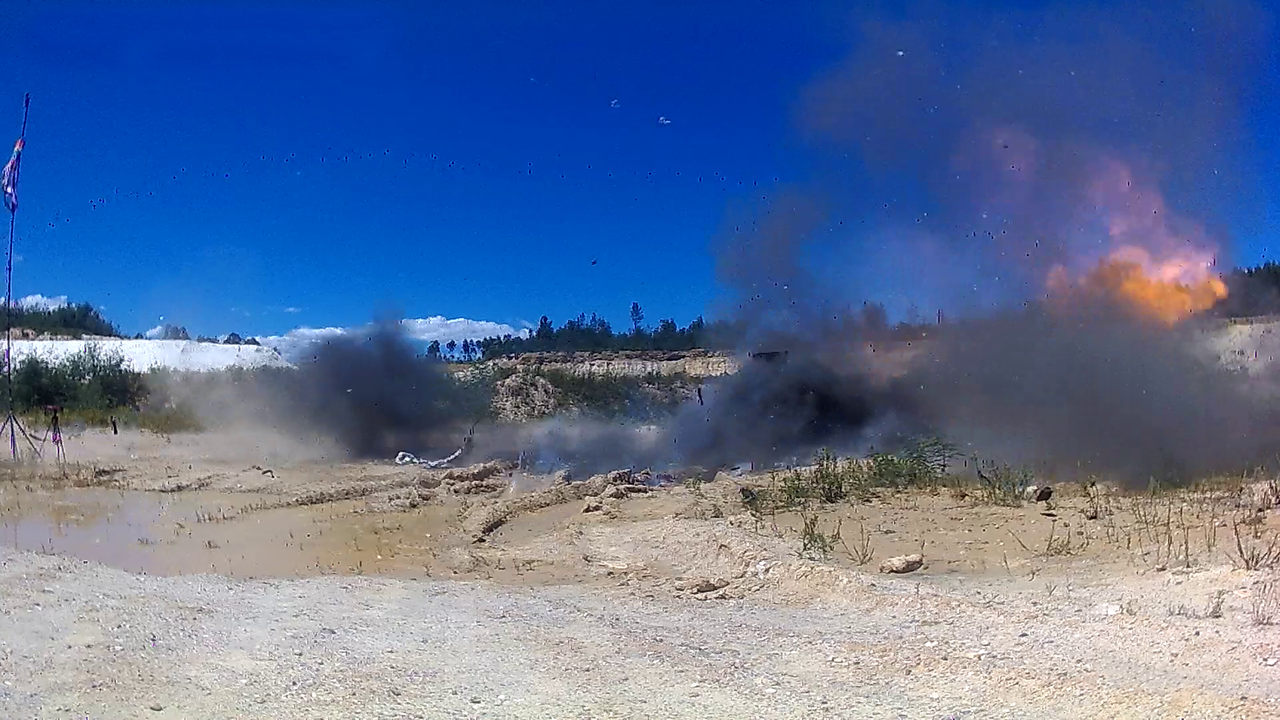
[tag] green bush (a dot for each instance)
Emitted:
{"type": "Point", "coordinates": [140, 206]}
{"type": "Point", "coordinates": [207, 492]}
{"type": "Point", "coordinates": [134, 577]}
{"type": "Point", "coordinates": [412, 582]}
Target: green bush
{"type": "Point", "coordinates": [89, 380]}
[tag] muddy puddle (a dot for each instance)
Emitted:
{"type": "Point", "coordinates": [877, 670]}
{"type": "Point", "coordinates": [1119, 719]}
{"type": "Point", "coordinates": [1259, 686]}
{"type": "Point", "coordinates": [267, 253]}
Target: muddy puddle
{"type": "Point", "coordinates": [255, 535]}
{"type": "Point", "coordinates": [235, 534]}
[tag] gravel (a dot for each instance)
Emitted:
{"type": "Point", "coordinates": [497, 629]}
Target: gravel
{"type": "Point", "coordinates": [83, 640]}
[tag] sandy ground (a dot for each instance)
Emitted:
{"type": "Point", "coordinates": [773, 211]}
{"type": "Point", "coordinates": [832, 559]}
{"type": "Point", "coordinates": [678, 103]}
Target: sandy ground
{"type": "Point", "coordinates": [225, 576]}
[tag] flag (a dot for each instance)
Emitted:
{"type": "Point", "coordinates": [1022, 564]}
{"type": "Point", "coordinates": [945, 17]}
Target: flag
{"type": "Point", "coordinates": [9, 179]}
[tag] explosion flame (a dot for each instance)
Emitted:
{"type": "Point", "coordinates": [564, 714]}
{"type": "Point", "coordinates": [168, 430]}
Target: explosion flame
{"type": "Point", "coordinates": [1160, 273]}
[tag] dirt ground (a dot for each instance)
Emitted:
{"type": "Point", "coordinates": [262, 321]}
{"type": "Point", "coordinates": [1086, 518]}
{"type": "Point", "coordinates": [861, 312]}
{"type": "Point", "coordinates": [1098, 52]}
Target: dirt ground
{"type": "Point", "coordinates": [220, 575]}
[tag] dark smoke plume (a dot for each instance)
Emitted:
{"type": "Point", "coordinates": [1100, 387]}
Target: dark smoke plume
{"type": "Point", "coordinates": [376, 396]}
{"type": "Point", "coordinates": [785, 409]}
{"type": "Point", "coordinates": [1026, 140]}
{"type": "Point", "coordinates": [1096, 393]}
{"type": "Point", "coordinates": [768, 412]}
{"type": "Point", "coordinates": [959, 156]}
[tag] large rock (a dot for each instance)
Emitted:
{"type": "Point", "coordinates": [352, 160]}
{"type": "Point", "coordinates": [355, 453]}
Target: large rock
{"type": "Point", "coordinates": [902, 564]}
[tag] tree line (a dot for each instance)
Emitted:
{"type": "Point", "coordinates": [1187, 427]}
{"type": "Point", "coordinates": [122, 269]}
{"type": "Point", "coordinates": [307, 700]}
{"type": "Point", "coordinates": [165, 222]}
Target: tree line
{"type": "Point", "coordinates": [1251, 291]}
{"type": "Point", "coordinates": [71, 320]}
{"type": "Point", "coordinates": [592, 333]}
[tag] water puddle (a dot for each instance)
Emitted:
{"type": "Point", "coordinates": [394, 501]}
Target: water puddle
{"type": "Point", "coordinates": [235, 534]}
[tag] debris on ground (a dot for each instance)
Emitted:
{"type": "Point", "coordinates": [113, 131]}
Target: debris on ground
{"type": "Point", "coordinates": [484, 519]}
{"type": "Point", "coordinates": [620, 492]}
{"type": "Point", "coordinates": [402, 500]}
{"type": "Point", "coordinates": [405, 458]}
{"type": "Point", "coordinates": [701, 585]}
{"type": "Point", "coordinates": [186, 485]}
{"type": "Point", "coordinates": [478, 479]}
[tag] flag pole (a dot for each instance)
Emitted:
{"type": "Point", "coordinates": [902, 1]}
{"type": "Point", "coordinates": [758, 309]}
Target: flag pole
{"type": "Point", "coordinates": [11, 185]}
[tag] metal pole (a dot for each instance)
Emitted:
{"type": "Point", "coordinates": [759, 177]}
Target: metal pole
{"type": "Point", "coordinates": [12, 420]}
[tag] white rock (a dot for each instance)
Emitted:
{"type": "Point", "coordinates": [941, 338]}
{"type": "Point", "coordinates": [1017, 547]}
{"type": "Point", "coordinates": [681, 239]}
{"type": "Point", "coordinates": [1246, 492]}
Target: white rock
{"type": "Point", "coordinates": [902, 564]}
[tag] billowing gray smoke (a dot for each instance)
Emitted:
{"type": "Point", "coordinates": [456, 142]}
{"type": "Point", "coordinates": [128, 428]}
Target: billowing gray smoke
{"type": "Point", "coordinates": [959, 157]}
{"type": "Point", "coordinates": [376, 396]}
{"type": "Point", "coordinates": [1096, 393]}
{"type": "Point", "coordinates": [986, 151]}
{"type": "Point", "coordinates": [782, 409]}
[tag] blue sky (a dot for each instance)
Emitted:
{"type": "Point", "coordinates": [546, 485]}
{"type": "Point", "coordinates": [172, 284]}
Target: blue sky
{"type": "Point", "coordinates": [262, 166]}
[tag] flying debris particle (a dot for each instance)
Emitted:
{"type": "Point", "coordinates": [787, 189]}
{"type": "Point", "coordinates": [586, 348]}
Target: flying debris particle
{"type": "Point", "coordinates": [614, 103]}
{"type": "Point", "coordinates": [664, 120]}
{"type": "Point", "coordinates": [901, 53]}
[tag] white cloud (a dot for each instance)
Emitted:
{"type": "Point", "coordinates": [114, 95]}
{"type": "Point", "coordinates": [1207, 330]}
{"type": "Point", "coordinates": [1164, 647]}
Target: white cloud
{"type": "Point", "coordinates": [154, 333]}
{"type": "Point", "coordinates": [293, 310]}
{"type": "Point", "coordinates": [444, 330]}
{"type": "Point", "coordinates": [294, 344]}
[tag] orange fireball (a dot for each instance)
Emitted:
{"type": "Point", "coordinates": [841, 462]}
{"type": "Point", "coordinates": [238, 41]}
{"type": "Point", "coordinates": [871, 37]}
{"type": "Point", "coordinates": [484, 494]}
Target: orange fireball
{"type": "Point", "coordinates": [1159, 267]}
{"type": "Point", "coordinates": [1166, 291]}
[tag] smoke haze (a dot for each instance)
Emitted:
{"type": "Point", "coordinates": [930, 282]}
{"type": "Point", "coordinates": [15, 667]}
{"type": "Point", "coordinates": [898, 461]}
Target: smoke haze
{"type": "Point", "coordinates": [1043, 149]}
{"type": "Point", "coordinates": [1057, 176]}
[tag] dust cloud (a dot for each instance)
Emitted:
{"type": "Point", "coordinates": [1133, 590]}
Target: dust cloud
{"type": "Point", "coordinates": [366, 395]}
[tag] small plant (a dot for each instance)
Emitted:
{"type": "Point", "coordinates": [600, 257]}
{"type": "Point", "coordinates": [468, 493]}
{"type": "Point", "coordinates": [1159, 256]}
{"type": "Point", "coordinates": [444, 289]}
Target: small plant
{"type": "Point", "coordinates": [814, 543]}
{"type": "Point", "coordinates": [1254, 554]}
{"type": "Point", "coordinates": [1096, 508]}
{"type": "Point", "coordinates": [929, 459]}
{"type": "Point", "coordinates": [694, 483]}
{"type": "Point", "coordinates": [1214, 609]}
{"type": "Point", "coordinates": [891, 470]}
{"type": "Point", "coordinates": [1061, 546]}
{"type": "Point", "coordinates": [1001, 484]}
{"type": "Point", "coordinates": [861, 552]}
{"type": "Point", "coordinates": [795, 489]}
{"type": "Point", "coordinates": [1265, 604]}
{"type": "Point", "coordinates": [828, 481]}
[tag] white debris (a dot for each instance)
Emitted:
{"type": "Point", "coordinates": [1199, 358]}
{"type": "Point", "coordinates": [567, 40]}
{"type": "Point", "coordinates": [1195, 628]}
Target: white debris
{"type": "Point", "coordinates": [405, 458]}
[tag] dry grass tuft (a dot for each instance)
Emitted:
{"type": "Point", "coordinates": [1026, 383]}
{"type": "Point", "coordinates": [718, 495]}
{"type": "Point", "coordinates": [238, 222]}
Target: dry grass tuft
{"type": "Point", "coordinates": [1256, 550]}
{"type": "Point", "coordinates": [1264, 605]}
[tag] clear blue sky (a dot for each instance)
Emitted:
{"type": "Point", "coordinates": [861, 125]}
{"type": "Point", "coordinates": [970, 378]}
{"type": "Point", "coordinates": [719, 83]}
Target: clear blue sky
{"type": "Point", "coordinates": [218, 163]}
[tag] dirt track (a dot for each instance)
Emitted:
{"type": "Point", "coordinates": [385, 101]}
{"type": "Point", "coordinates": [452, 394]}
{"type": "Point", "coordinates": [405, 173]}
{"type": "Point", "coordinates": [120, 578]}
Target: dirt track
{"type": "Point", "coordinates": [565, 614]}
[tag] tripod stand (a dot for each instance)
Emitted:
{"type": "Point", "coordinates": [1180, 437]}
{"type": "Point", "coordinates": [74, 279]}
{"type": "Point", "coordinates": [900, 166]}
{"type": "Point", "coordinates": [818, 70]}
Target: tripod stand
{"type": "Point", "coordinates": [54, 433]}
{"type": "Point", "coordinates": [14, 428]}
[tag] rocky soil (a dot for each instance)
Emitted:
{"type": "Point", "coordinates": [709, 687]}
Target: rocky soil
{"type": "Point", "coordinates": [82, 640]}
{"type": "Point", "coordinates": [309, 588]}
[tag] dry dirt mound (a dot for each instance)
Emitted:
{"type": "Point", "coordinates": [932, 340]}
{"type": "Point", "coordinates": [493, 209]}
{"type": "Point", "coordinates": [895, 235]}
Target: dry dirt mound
{"type": "Point", "coordinates": [524, 396]}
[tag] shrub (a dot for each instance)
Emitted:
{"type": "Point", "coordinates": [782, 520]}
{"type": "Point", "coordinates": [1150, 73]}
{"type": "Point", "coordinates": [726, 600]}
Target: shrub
{"type": "Point", "coordinates": [90, 379]}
